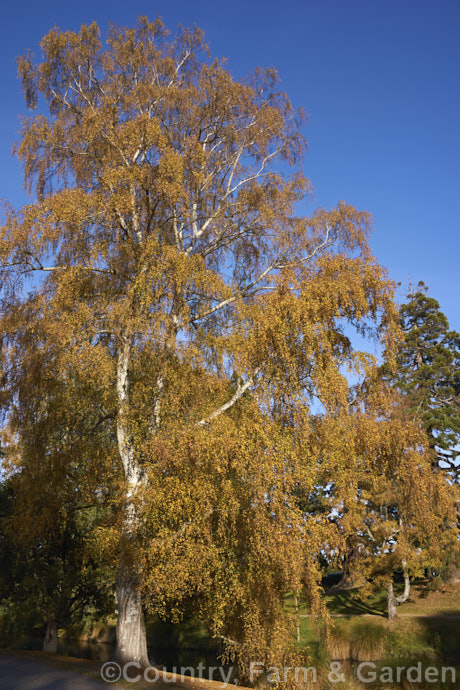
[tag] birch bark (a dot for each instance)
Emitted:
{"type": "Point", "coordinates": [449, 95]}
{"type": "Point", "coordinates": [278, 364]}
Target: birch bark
{"type": "Point", "coordinates": [131, 636]}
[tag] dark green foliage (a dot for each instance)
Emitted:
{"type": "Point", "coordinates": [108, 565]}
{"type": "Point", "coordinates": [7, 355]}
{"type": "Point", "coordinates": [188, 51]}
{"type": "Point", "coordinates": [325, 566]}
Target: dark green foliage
{"type": "Point", "coordinates": [50, 574]}
{"type": "Point", "coordinates": [428, 375]}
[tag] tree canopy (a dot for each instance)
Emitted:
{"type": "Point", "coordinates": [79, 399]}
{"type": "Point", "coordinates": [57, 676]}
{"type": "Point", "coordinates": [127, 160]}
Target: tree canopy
{"type": "Point", "coordinates": [428, 374]}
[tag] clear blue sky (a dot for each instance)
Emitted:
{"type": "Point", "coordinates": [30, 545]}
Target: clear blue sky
{"type": "Point", "coordinates": [380, 80]}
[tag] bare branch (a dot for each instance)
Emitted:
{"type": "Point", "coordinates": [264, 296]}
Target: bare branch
{"type": "Point", "coordinates": [240, 391]}
{"type": "Point", "coordinates": [221, 305]}
{"type": "Point", "coordinates": [259, 173]}
{"type": "Point", "coordinates": [325, 243]}
{"type": "Point", "coordinates": [80, 268]}
{"type": "Point", "coordinates": [47, 269]}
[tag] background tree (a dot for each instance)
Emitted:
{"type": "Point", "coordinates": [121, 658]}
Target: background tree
{"type": "Point", "coordinates": [177, 274]}
{"type": "Point", "coordinates": [56, 446]}
{"type": "Point", "coordinates": [428, 375]}
{"type": "Point", "coordinates": [388, 504]}
{"type": "Point", "coordinates": [50, 577]}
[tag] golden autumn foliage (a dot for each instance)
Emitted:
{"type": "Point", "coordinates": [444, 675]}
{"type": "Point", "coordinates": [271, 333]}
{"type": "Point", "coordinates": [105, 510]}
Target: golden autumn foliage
{"type": "Point", "coordinates": [205, 321]}
{"type": "Point", "coordinates": [388, 503]}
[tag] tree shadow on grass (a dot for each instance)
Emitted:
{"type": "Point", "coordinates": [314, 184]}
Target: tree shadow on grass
{"type": "Point", "coordinates": [349, 603]}
{"type": "Point", "coordinates": [442, 632]}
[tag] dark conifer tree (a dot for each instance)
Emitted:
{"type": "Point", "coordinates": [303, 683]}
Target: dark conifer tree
{"type": "Point", "coordinates": [428, 375]}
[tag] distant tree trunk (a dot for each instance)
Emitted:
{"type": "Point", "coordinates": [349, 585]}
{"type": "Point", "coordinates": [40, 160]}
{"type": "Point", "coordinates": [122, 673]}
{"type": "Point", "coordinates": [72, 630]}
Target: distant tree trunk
{"type": "Point", "coordinates": [391, 603]}
{"type": "Point", "coordinates": [347, 581]}
{"type": "Point", "coordinates": [454, 575]}
{"type": "Point", "coordinates": [296, 604]}
{"type": "Point", "coordinates": [392, 600]}
{"type": "Point", "coordinates": [131, 637]}
{"type": "Point", "coordinates": [50, 643]}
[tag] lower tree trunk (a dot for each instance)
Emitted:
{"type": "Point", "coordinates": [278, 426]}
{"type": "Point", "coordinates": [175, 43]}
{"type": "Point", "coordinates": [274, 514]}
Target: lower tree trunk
{"type": "Point", "coordinates": [131, 636]}
{"type": "Point", "coordinates": [391, 603]}
{"type": "Point", "coordinates": [50, 643]}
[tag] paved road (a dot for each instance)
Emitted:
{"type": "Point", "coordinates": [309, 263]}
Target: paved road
{"type": "Point", "coordinates": [19, 673]}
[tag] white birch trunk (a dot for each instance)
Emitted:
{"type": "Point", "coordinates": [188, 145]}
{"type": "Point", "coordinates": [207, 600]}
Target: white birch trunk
{"type": "Point", "coordinates": [131, 636]}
